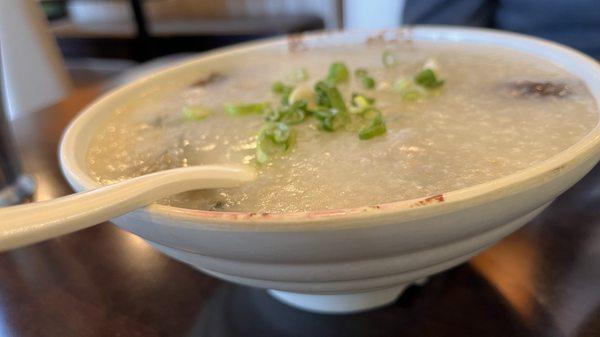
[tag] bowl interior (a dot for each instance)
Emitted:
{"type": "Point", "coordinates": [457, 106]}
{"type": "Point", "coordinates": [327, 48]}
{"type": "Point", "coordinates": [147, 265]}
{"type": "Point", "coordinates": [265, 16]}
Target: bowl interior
{"type": "Point", "coordinates": [155, 86]}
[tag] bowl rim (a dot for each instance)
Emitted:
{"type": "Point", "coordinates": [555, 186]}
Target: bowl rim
{"type": "Point", "coordinates": [516, 182]}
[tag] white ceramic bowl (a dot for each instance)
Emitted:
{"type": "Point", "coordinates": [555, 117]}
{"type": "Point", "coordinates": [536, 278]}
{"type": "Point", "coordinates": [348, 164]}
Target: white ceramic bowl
{"type": "Point", "coordinates": [349, 259]}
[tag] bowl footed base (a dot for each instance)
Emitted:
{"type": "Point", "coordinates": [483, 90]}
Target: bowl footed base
{"type": "Point", "coordinates": [346, 303]}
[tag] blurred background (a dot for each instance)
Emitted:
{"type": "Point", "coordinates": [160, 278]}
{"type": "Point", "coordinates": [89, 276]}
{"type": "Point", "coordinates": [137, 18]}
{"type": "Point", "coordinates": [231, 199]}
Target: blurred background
{"type": "Point", "coordinates": [102, 40]}
{"type": "Point", "coordinates": [50, 47]}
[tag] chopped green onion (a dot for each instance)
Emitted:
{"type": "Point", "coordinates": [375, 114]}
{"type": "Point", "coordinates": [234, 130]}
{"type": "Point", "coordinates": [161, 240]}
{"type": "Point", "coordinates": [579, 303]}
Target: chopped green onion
{"type": "Point", "coordinates": [325, 117]}
{"type": "Point", "coordinates": [329, 96]}
{"type": "Point", "coordinates": [336, 99]}
{"type": "Point", "coordinates": [322, 113]}
{"type": "Point", "coordinates": [246, 109]}
{"type": "Point", "coordinates": [296, 113]}
{"type": "Point", "coordinates": [285, 98]}
{"type": "Point", "coordinates": [375, 128]}
{"type": "Point", "coordinates": [338, 73]}
{"type": "Point", "coordinates": [283, 90]}
{"type": "Point", "coordinates": [332, 112]}
{"type": "Point", "coordinates": [278, 87]}
{"type": "Point", "coordinates": [196, 112]}
{"type": "Point", "coordinates": [281, 134]}
{"type": "Point", "coordinates": [361, 102]}
{"type": "Point", "coordinates": [389, 59]}
{"type": "Point", "coordinates": [427, 79]}
{"type": "Point", "coordinates": [292, 114]}
{"type": "Point", "coordinates": [330, 119]}
{"type": "Point", "coordinates": [273, 138]}
{"type": "Point", "coordinates": [278, 132]}
{"type": "Point", "coordinates": [366, 80]}
{"type": "Point", "coordinates": [272, 115]}
{"type": "Point", "coordinates": [321, 92]}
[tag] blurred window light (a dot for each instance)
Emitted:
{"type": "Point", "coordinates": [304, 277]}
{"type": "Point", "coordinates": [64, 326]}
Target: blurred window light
{"type": "Point", "coordinates": [373, 14]}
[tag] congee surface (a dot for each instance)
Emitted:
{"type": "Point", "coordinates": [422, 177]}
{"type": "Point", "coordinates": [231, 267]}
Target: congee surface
{"type": "Point", "coordinates": [498, 111]}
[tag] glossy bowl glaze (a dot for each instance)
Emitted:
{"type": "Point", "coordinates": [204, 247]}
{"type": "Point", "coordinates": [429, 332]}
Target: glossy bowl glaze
{"type": "Point", "coordinates": [342, 260]}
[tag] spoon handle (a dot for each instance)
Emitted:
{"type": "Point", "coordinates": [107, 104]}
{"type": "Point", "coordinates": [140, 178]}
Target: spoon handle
{"type": "Point", "coordinates": [29, 223]}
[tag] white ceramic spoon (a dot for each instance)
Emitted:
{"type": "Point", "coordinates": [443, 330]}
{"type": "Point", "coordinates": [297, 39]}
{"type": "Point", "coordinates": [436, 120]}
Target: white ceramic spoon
{"type": "Point", "coordinates": [25, 224]}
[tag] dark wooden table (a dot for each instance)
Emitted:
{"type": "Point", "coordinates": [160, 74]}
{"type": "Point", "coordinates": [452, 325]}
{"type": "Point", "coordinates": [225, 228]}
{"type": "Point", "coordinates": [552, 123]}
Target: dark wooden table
{"type": "Point", "coordinates": [541, 281]}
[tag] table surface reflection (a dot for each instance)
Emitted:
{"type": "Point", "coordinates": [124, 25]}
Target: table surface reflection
{"type": "Point", "coordinates": [543, 280]}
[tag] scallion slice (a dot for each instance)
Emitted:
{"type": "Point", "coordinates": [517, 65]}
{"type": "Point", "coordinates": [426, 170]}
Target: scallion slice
{"type": "Point", "coordinates": [427, 79]}
{"type": "Point", "coordinates": [367, 81]}
{"type": "Point", "coordinates": [278, 87]}
{"type": "Point", "coordinates": [375, 128]}
{"type": "Point", "coordinates": [283, 90]}
{"type": "Point", "coordinates": [331, 119]}
{"type": "Point", "coordinates": [329, 96]}
{"type": "Point", "coordinates": [332, 112]}
{"type": "Point", "coordinates": [336, 99]}
{"type": "Point", "coordinates": [196, 112]}
{"type": "Point", "coordinates": [321, 93]}
{"type": "Point", "coordinates": [361, 101]}
{"type": "Point", "coordinates": [246, 109]}
{"type": "Point", "coordinates": [338, 73]}
{"type": "Point", "coordinates": [273, 139]}
{"type": "Point", "coordinates": [291, 114]}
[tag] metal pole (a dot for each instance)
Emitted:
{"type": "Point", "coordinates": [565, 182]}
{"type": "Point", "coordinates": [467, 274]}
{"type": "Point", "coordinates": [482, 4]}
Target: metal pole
{"type": "Point", "coordinates": [142, 36]}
